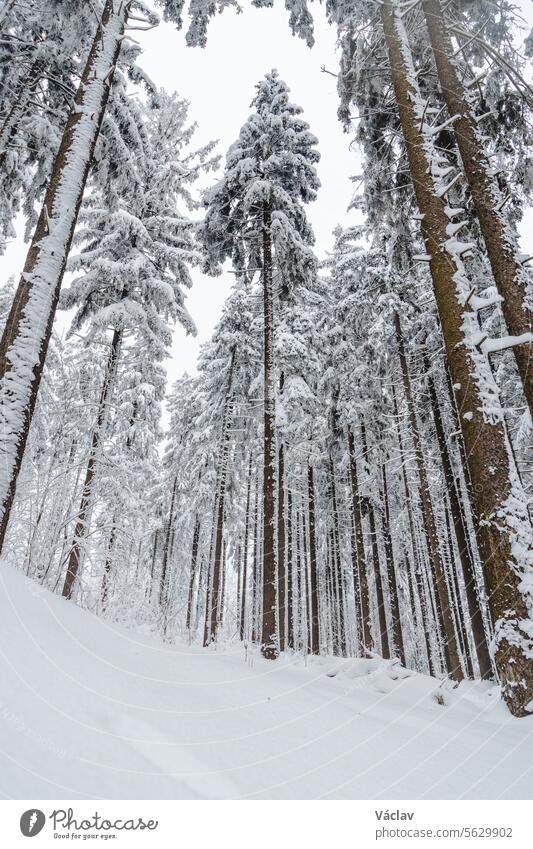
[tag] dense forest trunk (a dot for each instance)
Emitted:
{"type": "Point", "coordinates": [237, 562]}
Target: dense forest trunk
{"type": "Point", "coordinates": [461, 533]}
{"type": "Point", "coordinates": [314, 636]}
{"type": "Point", "coordinates": [382, 617]}
{"type": "Point", "coordinates": [503, 251]}
{"type": "Point", "coordinates": [269, 637]}
{"type": "Point", "coordinates": [291, 578]}
{"type": "Point", "coordinates": [358, 551]}
{"type": "Point", "coordinates": [246, 543]}
{"type": "Point", "coordinates": [192, 575]}
{"type": "Point", "coordinates": [504, 527]}
{"type": "Point", "coordinates": [442, 598]}
{"type": "Point", "coordinates": [415, 566]}
{"type": "Point", "coordinates": [167, 546]}
{"type": "Point", "coordinates": [338, 580]}
{"type": "Point", "coordinates": [397, 635]}
{"type": "Point", "coordinates": [28, 328]}
{"type": "Point", "coordinates": [82, 520]}
{"type": "Point", "coordinates": [282, 576]}
{"type": "Point", "coordinates": [214, 595]}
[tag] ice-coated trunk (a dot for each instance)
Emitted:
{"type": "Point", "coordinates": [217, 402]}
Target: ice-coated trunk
{"type": "Point", "coordinates": [509, 274]}
{"type": "Point", "coordinates": [442, 597]}
{"type": "Point", "coordinates": [82, 521]}
{"type": "Point", "coordinates": [214, 596]}
{"type": "Point", "coordinates": [503, 526]}
{"type": "Point", "coordinates": [269, 637]}
{"type": "Point", "coordinates": [28, 328]}
{"type": "Point", "coordinates": [358, 551]}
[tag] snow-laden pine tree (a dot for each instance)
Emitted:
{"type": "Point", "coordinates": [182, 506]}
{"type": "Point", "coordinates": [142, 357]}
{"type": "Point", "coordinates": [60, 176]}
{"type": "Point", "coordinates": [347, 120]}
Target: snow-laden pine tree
{"type": "Point", "coordinates": [255, 217]}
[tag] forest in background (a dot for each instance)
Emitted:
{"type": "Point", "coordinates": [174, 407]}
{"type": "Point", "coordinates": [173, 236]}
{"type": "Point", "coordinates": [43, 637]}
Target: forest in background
{"type": "Point", "coordinates": [350, 470]}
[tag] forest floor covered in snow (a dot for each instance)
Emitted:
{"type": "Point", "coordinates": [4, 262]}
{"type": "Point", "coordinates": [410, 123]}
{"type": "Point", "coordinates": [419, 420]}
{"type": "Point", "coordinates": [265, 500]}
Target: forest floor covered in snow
{"type": "Point", "coordinates": [89, 709]}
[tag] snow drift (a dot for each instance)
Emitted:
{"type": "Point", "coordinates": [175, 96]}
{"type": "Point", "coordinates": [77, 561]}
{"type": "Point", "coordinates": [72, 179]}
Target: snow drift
{"type": "Point", "coordinates": [91, 710]}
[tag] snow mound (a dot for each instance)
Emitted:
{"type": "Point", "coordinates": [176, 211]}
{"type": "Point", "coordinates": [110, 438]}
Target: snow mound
{"type": "Point", "coordinates": [91, 710]}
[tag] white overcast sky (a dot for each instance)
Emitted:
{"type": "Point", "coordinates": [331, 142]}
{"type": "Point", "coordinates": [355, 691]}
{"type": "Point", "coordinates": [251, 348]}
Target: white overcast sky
{"type": "Point", "coordinates": [219, 83]}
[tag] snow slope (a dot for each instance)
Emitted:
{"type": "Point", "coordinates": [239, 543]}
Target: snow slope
{"type": "Point", "coordinates": [88, 709]}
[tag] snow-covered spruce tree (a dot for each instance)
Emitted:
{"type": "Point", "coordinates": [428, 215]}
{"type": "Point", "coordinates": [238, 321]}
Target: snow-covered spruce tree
{"type": "Point", "coordinates": [42, 50]}
{"type": "Point", "coordinates": [503, 527]}
{"type": "Point", "coordinates": [136, 256]}
{"type": "Point", "coordinates": [27, 332]}
{"type": "Point", "coordinates": [255, 217]}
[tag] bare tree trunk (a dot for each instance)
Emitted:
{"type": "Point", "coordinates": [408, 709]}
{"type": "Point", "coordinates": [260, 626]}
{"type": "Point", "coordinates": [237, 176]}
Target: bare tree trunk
{"type": "Point", "coordinates": [442, 599]}
{"type": "Point", "coordinates": [382, 619]}
{"type": "Point", "coordinates": [256, 570]}
{"type": "Point", "coordinates": [245, 552]}
{"type": "Point", "coordinates": [166, 546]}
{"type": "Point", "coordinates": [292, 579]}
{"type": "Point", "coordinates": [358, 550]}
{"type": "Point", "coordinates": [81, 527]}
{"type": "Point", "coordinates": [455, 593]}
{"type": "Point", "coordinates": [28, 327]}
{"type": "Point", "coordinates": [314, 637]}
{"type": "Point", "coordinates": [461, 533]}
{"type": "Point", "coordinates": [397, 635]}
{"type": "Point", "coordinates": [416, 567]}
{"type": "Point", "coordinates": [502, 249]}
{"type": "Point", "coordinates": [213, 614]}
{"type": "Point", "coordinates": [282, 576]}
{"type": "Point", "coordinates": [269, 637]}
{"type": "Point", "coordinates": [337, 565]}
{"type": "Point", "coordinates": [194, 559]}
{"type": "Point", "coordinates": [504, 525]}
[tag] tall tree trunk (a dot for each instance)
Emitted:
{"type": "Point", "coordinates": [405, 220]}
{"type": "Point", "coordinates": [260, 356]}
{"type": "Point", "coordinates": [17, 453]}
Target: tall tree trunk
{"type": "Point", "coordinates": [358, 550]}
{"type": "Point", "coordinates": [194, 559]}
{"type": "Point", "coordinates": [292, 578]}
{"type": "Point", "coordinates": [461, 533]}
{"type": "Point", "coordinates": [269, 637]}
{"type": "Point", "coordinates": [504, 525]}
{"type": "Point", "coordinates": [81, 527]}
{"type": "Point", "coordinates": [397, 635]}
{"type": "Point", "coordinates": [282, 572]}
{"type": "Point", "coordinates": [28, 327]}
{"type": "Point", "coordinates": [442, 599]}
{"type": "Point", "coordinates": [502, 249]}
{"type": "Point", "coordinates": [213, 613]}
{"type": "Point", "coordinates": [382, 618]}
{"type": "Point", "coordinates": [455, 593]}
{"type": "Point", "coordinates": [245, 551]}
{"type": "Point", "coordinates": [314, 636]}
{"type": "Point", "coordinates": [337, 565]}
{"type": "Point", "coordinates": [256, 567]}
{"type": "Point", "coordinates": [166, 546]}
{"type": "Point", "coordinates": [416, 566]}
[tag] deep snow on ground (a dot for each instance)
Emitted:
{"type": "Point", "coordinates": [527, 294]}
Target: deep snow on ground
{"type": "Point", "coordinates": [89, 709]}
